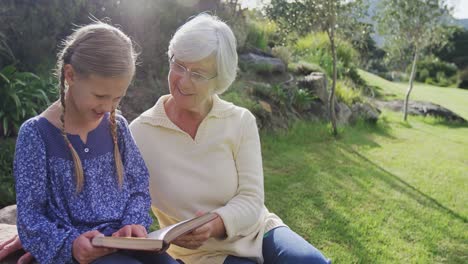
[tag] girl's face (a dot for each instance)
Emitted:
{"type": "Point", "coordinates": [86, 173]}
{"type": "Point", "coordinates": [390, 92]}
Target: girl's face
{"type": "Point", "coordinates": [92, 96]}
{"type": "Point", "coordinates": [192, 83]}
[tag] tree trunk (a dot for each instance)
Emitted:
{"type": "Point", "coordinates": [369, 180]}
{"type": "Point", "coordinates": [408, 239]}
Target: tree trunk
{"type": "Point", "coordinates": [410, 88]}
{"type": "Point", "coordinates": [331, 98]}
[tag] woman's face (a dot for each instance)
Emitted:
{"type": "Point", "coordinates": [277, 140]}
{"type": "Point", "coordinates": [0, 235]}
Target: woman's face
{"type": "Point", "coordinates": [192, 83]}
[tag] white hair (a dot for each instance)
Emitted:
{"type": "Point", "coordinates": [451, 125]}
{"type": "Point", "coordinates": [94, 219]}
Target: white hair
{"type": "Point", "coordinates": [206, 35]}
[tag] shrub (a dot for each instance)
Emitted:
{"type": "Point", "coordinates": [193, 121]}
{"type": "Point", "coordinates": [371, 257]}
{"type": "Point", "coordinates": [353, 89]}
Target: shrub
{"type": "Point", "coordinates": [304, 68]}
{"type": "Point", "coordinates": [431, 70]}
{"type": "Point", "coordinates": [464, 79]}
{"type": "Point", "coordinates": [7, 189]}
{"type": "Point", "coordinates": [302, 99]}
{"type": "Point", "coordinates": [282, 53]}
{"type": "Point", "coordinates": [22, 95]}
{"type": "Point", "coordinates": [347, 94]}
{"type": "Point", "coordinates": [315, 48]}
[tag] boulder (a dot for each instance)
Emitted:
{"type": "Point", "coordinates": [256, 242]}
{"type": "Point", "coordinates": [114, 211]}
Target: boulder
{"type": "Point", "coordinates": [316, 84]}
{"type": "Point", "coordinates": [258, 61]}
{"type": "Point", "coordinates": [343, 113]}
{"type": "Point", "coordinates": [423, 109]}
{"type": "Point", "coordinates": [365, 111]}
{"type": "Point", "coordinates": [8, 215]}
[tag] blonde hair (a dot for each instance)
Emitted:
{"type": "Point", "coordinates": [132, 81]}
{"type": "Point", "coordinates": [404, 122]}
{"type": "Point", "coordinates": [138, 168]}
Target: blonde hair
{"type": "Point", "coordinates": [106, 51]}
{"type": "Point", "coordinates": [203, 36]}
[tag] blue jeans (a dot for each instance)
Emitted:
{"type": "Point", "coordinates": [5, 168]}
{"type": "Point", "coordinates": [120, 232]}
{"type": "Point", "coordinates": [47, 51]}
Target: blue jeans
{"type": "Point", "coordinates": [283, 246]}
{"type": "Point", "coordinates": [136, 257]}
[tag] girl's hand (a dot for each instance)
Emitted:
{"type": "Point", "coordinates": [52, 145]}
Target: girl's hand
{"type": "Point", "coordinates": [84, 252]}
{"type": "Point", "coordinates": [199, 236]}
{"type": "Point", "coordinates": [131, 231]}
{"type": "Point", "coordinates": [12, 245]}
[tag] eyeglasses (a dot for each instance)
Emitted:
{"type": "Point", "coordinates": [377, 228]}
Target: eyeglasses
{"type": "Point", "coordinates": [181, 70]}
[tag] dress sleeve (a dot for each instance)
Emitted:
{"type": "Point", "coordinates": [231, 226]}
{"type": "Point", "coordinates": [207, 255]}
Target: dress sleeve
{"type": "Point", "coordinates": [243, 211]}
{"type": "Point", "coordinates": [46, 240]}
{"type": "Point", "coordinates": [137, 177]}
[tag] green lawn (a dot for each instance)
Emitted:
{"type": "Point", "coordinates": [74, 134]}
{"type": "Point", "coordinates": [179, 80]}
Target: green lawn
{"type": "Point", "coordinates": [454, 99]}
{"type": "Point", "coordinates": [393, 192]}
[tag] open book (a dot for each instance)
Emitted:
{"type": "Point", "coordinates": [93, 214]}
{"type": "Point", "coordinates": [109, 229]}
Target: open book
{"type": "Point", "coordinates": [158, 240]}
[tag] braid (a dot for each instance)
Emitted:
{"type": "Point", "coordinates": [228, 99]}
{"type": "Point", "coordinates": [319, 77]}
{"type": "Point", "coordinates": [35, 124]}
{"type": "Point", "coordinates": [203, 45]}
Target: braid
{"type": "Point", "coordinates": [117, 157]}
{"type": "Point", "coordinates": [76, 159]}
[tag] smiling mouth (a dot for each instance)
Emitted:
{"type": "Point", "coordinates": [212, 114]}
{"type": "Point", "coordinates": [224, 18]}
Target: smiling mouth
{"type": "Point", "coordinates": [98, 114]}
{"type": "Point", "coordinates": [182, 93]}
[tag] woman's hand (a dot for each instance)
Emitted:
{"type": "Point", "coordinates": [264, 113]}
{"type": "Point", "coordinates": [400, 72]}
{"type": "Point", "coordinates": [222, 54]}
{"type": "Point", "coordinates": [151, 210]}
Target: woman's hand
{"type": "Point", "coordinates": [12, 245]}
{"type": "Point", "coordinates": [84, 252]}
{"type": "Point", "coordinates": [131, 231]}
{"type": "Point", "coordinates": [199, 236]}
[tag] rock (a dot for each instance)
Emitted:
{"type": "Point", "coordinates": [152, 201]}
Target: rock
{"type": "Point", "coordinates": [365, 111]}
{"type": "Point", "coordinates": [343, 113]}
{"type": "Point", "coordinates": [8, 215]}
{"type": "Point", "coordinates": [259, 61]}
{"type": "Point", "coordinates": [422, 108]}
{"type": "Point", "coordinates": [316, 84]}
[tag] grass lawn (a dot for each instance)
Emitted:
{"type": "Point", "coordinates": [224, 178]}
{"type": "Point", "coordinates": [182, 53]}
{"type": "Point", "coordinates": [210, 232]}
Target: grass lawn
{"type": "Point", "coordinates": [390, 193]}
{"type": "Point", "coordinates": [393, 192]}
{"type": "Point", "coordinates": [455, 99]}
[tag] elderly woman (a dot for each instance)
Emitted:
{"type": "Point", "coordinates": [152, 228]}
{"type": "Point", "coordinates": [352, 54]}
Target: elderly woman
{"type": "Point", "coordinates": [204, 154]}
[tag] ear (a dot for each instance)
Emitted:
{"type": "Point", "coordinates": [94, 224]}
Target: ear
{"type": "Point", "coordinates": [69, 74]}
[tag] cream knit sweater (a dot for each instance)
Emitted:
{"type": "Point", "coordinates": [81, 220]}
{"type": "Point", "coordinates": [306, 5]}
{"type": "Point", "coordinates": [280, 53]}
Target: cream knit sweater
{"type": "Point", "coordinates": [220, 170]}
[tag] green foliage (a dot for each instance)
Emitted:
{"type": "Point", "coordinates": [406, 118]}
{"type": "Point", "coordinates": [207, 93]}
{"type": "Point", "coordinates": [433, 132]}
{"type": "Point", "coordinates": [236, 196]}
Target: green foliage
{"type": "Point", "coordinates": [22, 95]}
{"type": "Point", "coordinates": [386, 197]}
{"type": "Point", "coordinates": [409, 27]}
{"type": "Point", "coordinates": [301, 99]}
{"type": "Point", "coordinates": [261, 68]}
{"type": "Point", "coordinates": [315, 48]}
{"type": "Point", "coordinates": [455, 50]}
{"type": "Point", "coordinates": [260, 34]}
{"type": "Point", "coordinates": [304, 68]}
{"type": "Point", "coordinates": [434, 71]}
{"type": "Point", "coordinates": [7, 183]}
{"type": "Point", "coordinates": [6, 54]}
{"type": "Point", "coordinates": [347, 94]}
{"type": "Point", "coordinates": [241, 99]}
{"type": "Point", "coordinates": [464, 79]}
{"type": "Point", "coordinates": [283, 53]}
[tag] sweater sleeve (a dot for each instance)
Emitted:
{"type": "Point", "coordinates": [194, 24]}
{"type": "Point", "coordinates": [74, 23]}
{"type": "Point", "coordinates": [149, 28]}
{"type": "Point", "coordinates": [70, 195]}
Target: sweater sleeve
{"type": "Point", "coordinates": [46, 240]}
{"type": "Point", "coordinates": [137, 177]}
{"type": "Point", "coordinates": [243, 211]}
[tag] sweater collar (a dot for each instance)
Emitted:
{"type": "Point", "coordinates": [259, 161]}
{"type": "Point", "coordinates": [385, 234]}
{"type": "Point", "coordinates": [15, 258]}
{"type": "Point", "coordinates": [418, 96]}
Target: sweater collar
{"type": "Point", "coordinates": [157, 116]}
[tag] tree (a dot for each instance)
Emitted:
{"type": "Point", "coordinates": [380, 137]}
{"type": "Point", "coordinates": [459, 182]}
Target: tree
{"type": "Point", "coordinates": [330, 16]}
{"type": "Point", "coordinates": [410, 27]}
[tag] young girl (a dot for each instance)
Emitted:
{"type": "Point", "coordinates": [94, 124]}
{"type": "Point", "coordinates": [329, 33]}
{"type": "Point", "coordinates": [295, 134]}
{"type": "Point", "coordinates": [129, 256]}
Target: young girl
{"type": "Point", "coordinates": [78, 171]}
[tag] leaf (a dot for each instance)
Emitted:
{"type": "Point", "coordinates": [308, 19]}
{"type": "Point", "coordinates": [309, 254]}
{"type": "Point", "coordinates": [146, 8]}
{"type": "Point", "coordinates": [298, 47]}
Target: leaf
{"type": "Point", "coordinates": [5, 126]}
{"type": "Point", "coordinates": [4, 78]}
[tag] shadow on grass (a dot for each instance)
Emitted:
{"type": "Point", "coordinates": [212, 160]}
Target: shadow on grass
{"type": "Point", "coordinates": [341, 201]}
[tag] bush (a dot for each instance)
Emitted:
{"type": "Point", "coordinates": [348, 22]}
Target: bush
{"type": "Point", "coordinates": [431, 70]}
{"type": "Point", "coordinates": [347, 94]}
{"type": "Point", "coordinates": [261, 34]}
{"type": "Point", "coordinates": [22, 95]}
{"type": "Point", "coordinates": [7, 185]}
{"type": "Point", "coordinates": [302, 99]}
{"type": "Point", "coordinates": [282, 53]}
{"type": "Point", "coordinates": [304, 68]}
{"type": "Point", "coordinates": [315, 48]}
{"type": "Point", "coordinates": [464, 79]}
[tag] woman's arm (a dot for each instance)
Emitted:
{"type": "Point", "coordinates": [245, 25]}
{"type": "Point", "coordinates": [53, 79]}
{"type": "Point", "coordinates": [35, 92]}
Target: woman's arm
{"type": "Point", "coordinates": [242, 212]}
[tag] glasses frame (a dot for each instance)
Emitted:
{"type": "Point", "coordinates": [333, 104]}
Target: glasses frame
{"type": "Point", "coordinates": [199, 78]}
